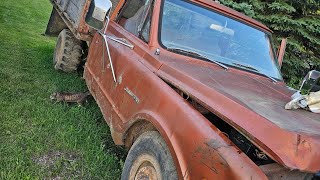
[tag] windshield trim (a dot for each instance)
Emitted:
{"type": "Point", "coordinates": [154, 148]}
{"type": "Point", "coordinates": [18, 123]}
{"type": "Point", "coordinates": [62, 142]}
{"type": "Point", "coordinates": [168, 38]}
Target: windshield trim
{"type": "Point", "coordinates": [269, 34]}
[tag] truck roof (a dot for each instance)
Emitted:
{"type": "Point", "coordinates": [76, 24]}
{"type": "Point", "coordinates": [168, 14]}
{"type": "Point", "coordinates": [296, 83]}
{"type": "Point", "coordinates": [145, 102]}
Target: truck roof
{"type": "Point", "coordinates": [233, 13]}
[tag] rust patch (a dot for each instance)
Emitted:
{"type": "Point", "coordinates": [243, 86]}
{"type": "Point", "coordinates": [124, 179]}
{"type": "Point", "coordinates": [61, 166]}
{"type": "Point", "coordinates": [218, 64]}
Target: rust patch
{"type": "Point", "coordinates": [135, 131]}
{"type": "Point", "coordinates": [193, 103]}
{"type": "Point", "coordinates": [216, 144]}
{"type": "Point", "coordinates": [275, 172]}
{"type": "Point", "coordinates": [207, 155]}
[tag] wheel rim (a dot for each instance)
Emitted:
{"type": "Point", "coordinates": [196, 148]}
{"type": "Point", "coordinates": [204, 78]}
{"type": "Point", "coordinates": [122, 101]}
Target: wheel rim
{"type": "Point", "coordinates": [146, 172]}
{"type": "Point", "coordinates": [145, 167]}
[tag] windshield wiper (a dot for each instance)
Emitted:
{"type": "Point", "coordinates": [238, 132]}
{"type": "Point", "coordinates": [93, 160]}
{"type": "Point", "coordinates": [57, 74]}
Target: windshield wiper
{"type": "Point", "coordinates": [198, 55]}
{"type": "Point", "coordinates": [254, 69]}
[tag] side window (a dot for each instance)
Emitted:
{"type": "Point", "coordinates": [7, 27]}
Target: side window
{"type": "Point", "coordinates": [145, 31]}
{"type": "Point", "coordinates": [135, 17]}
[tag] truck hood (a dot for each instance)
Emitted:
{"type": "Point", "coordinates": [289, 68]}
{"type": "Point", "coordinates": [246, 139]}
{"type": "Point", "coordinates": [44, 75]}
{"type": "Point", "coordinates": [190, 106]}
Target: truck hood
{"type": "Point", "coordinates": [255, 107]}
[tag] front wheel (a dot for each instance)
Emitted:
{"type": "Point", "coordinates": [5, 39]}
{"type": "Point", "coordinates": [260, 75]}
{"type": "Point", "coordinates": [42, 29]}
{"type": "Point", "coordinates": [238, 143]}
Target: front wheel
{"type": "Point", "coordinates": [149, 159]}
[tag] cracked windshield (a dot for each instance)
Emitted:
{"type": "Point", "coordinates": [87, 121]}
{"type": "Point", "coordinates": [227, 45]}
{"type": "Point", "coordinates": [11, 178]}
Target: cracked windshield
{"type": "Point", "coordinates": [190, 28]}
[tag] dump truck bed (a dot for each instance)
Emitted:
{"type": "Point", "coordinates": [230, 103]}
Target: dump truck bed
{"type": "Point", "coordinates": [70, 14]}
{"type": "Point", "coordinates": [71, 8]}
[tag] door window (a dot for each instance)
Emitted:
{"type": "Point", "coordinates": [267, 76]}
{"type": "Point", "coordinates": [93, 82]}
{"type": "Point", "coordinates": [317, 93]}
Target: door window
{"type": "Point", "coordinates": [136, 18]}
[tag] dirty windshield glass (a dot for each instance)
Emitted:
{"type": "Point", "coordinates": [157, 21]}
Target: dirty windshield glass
{"type": "Point", "coordinates": [189, 27]}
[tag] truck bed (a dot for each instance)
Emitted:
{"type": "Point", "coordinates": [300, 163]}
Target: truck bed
{"type": "Point", "coordinates": [71, 14]}
{"type": "Point", "coordinates": [72, 8]}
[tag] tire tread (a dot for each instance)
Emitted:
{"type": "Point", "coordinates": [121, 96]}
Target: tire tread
{"type": "Point", "coordinates": [72, 52]}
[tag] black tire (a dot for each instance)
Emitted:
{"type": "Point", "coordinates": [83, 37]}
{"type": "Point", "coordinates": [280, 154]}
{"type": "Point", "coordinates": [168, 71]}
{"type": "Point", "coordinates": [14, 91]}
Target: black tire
{"type": "Point", "coordinates": [149, 158]}
{"type": "Point", "coordinates": [68, 52]}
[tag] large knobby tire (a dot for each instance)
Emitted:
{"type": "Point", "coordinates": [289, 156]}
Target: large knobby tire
{"type": "Point", "coordinates": [68, 52]}
{"type": "Point", "coordinates": [149, 159]}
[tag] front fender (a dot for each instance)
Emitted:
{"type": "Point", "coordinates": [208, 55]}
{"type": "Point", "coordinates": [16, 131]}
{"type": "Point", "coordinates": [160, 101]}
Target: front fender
{"type": "Point", "coordinates": [199, 149]}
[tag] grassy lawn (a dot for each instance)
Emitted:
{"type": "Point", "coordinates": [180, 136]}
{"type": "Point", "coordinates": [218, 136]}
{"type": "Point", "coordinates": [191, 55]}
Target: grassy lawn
{"type": "Point", "coordinates": [40, 139]}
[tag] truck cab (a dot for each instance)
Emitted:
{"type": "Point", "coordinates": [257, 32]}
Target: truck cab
{"type": "Point", "coordinates": [194, 90]}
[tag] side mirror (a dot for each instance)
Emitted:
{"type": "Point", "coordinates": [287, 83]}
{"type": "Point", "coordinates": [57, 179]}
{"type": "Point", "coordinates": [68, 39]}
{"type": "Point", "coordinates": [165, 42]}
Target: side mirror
{"type": "Point", "coordinates": [281, 51]}
{"type": "Point", "coordinates": [98, 12]}
{"type": "Point", "coordinates": [311, 83]}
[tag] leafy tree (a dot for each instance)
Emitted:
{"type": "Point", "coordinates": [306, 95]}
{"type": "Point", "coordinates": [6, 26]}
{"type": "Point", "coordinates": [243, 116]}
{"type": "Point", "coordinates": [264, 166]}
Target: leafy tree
{"type": "Point", "coordinates": [297, 20]}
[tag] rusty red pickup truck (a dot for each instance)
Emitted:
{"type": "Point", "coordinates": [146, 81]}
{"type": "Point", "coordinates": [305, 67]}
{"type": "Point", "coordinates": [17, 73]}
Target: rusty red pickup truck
{"type": "Point", "coordinates": [192, 88]}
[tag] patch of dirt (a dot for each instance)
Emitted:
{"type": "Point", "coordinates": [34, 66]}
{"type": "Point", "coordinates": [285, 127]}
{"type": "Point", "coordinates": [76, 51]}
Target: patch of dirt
{"type": "Point", "coordinates": [59, 165]}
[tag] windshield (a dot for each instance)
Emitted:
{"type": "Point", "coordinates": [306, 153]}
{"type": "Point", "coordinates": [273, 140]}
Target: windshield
{"type": "Point", "coordinates": [193, 28]}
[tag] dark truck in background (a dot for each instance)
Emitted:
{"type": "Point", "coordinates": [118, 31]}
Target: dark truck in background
{"type": "Point", "coordinates": [192, 88]}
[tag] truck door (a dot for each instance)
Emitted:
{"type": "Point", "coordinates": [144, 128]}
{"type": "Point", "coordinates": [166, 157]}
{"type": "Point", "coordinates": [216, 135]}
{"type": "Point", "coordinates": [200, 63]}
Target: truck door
{"type": "Point", "coordinates": [130, 28]}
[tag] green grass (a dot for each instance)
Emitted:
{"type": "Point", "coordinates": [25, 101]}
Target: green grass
{"type": "Point", "coordinates": [40, 139]}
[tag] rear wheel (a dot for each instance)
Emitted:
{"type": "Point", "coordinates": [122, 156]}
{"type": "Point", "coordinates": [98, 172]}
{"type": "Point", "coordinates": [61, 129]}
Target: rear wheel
{"type": "Point", "coordinates": [68, 52]}
{"type": "Point", "coordinates": [149, 159]}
